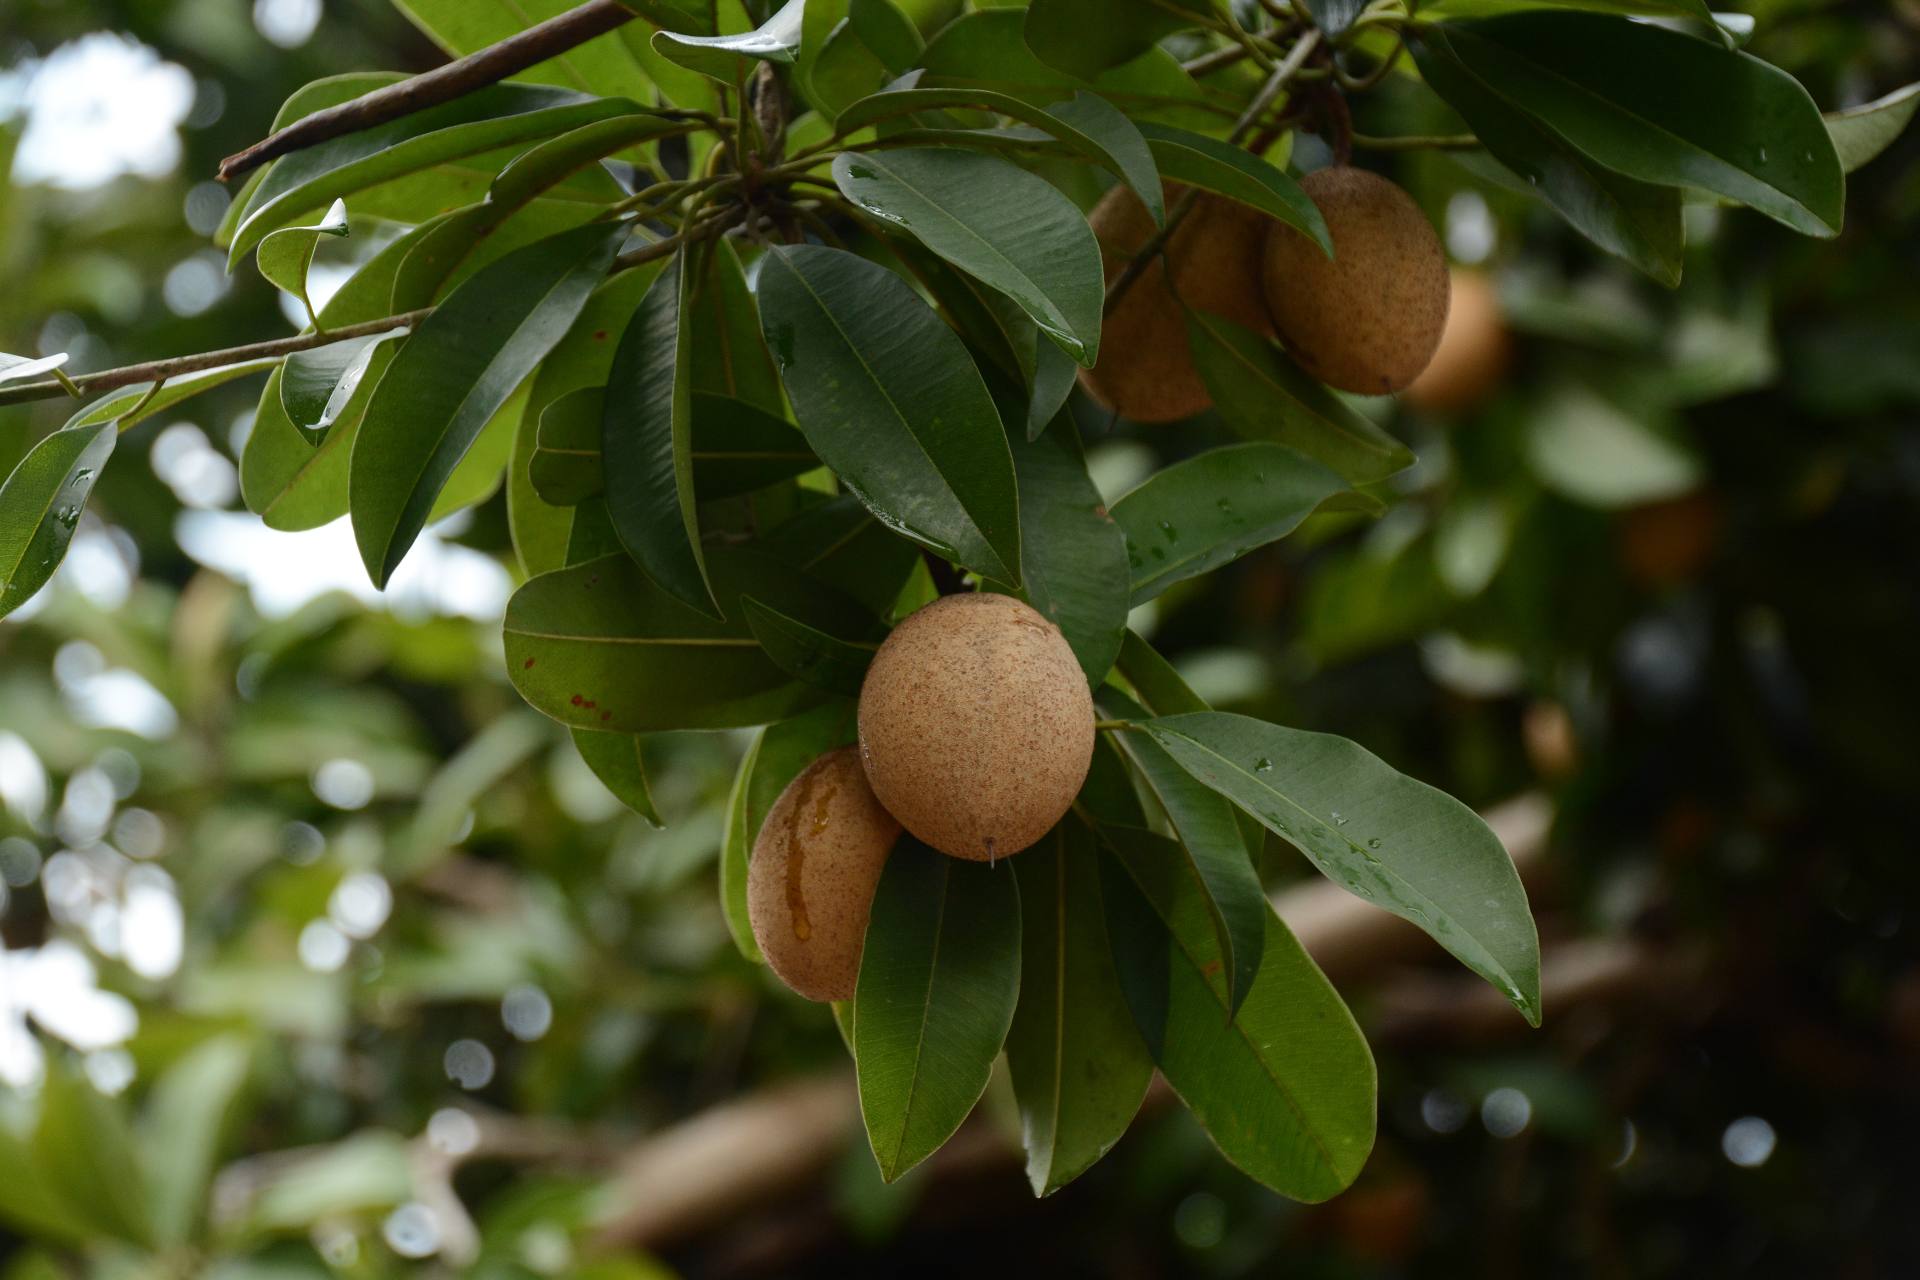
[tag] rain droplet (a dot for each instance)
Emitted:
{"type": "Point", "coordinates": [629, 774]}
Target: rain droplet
{"type": "Point", "coordinates": [1373, 844]}
{"type": "Point", "coordinates": [1173, 534]}
{"type": "Point", "coordinates": [1763, 155]}
{"type": "Point", "coordinates": [81, 476]}
{"type": "Point", "coordinates": [1338, 819]}
{"type": "Point", "coordinates": [1263, 765]}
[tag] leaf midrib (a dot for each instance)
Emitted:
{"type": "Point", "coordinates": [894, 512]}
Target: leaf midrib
{"type": "Point", "coordinates": [920, 1041]}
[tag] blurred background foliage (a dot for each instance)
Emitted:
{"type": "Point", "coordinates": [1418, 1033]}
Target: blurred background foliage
{"type": "Point", "coordinates": [324, 956]}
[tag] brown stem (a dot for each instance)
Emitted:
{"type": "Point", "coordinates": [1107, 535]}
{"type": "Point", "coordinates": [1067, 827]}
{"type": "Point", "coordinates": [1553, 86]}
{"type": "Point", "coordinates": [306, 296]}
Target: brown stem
{"type": "Point", "coordinates": [1337, 120]}
{"type": "Point", "coordinates": [160, 370]}
{"type": "Point", "coordinates": [443, 84]}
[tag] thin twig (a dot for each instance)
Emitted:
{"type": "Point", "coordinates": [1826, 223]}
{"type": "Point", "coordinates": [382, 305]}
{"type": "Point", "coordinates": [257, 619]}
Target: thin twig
{"type": "Point", "coordinates": [1411, 142]}
{"type": "Point", "coordinates": [1276, 84]}
{"type": "Point", "coordinates": [443, 84]}
{"type": "Point", "coordinates": [161, 370]}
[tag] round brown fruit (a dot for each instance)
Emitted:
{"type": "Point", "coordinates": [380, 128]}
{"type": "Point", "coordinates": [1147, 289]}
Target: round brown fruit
{"type": "Point", "coordinates": [1475, 349]}
{"type": "Point", "coordinates": [1367, 320]}
{"type": "Point", "coordinates": [811, 879]}
{"type": "Point", "coordinates": [976, 726]}
{"type": "Point", "coordinates": [1145, 370]}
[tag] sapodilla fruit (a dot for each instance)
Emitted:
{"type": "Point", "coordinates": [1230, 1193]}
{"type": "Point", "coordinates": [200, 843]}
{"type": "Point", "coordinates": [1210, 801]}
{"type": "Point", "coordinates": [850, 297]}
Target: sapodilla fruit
{"type": "Point", "coordinates": [1474, 352]}
{"type": "Point", "coordinates": [1145, 370]}
{"type": "Point", "coordinates": [811, 879]}
{"type": "Point", "coordinates": [976, 726]}
{"type": "Point", "coordinates": [1367, 320]}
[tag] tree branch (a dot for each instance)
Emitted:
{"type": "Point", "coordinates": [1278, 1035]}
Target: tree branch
{"type": "Point", "coordinates": [443, 84]}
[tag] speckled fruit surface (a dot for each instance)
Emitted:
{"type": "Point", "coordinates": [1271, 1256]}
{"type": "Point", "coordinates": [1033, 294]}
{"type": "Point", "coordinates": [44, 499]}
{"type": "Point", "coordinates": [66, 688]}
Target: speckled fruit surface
{"type": "Point", "coordinates": [1145, 370]}
{"type": "Point", "coordinates": [976, 725]}
{"type": "Point", "coordinates": [810, 881]}
{"type": "Point", "coordinates": [1367, 321]}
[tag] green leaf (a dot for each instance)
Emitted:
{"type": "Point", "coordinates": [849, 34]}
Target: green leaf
{"type": "Point", "coordinates": [1859, 133]}
{"type": "Point", "coordinates": [1079, 1068]}
{"type": "Point", "coordinates": [22, 369]}
{"type": "Point", "coordinates": [1396, 842]}
{"type": "Point", "coordinates": [1238, 174]}
{"type": "Point", "coordinates": [729, 357]}
{"type": "Point", "coordinates": [32, 1205]}
{"type": "Point", "coordinates": [1697, 9]}
{"type": "Point", "coordinates": [1079, 124]}
{"type": "Point", "coordinates": [1591, 451]}
{"type": "Point", "coordinates": [989, 48]}
{"type": "Point", "coordinates": [1263, 394]}
{"type": "Point", "coordinates": [1286, 1088]}
{"type": "Point", "coordinates": [1074, 555]}
{"type": "Point", "coordinates": [317, 95]}
{"type": "Point", "coordinates": [615, 759]}
{"type": "Point", "coordinates": [40, 506]}
{"type": "Point", "coordinates": [566, 466]}
{"type": "Point", "coordinates": [646, 440]}
{"type": "Point", "coordinates": [1211, 849]}
{"type": "Point", "coordinates": [841, 545]}
{"type": "Point", "coordinates": [489, 121]}
{"type": "Point", "coordinates": [1087, 37]}
{"type": "Point", "coordinates": [598, 646]}
{"type": "Point", "coordinates": [1216, 506]}
{"type": "Point", "coordinates": [318, 386]}
{"type": "Point", "coordinates": [1007, 227]}
{"type": "Point", "coordinates": [455, 790]}
{"type": "Point", "coordinates": [454, 374]}
{"type": "Point", "coordinates": [1634, 220]}
{"type": "Point", "coordinates": [692, 16]}
{"type": "Point", "coordinates": [938, 982]}
{"type": "Point", "coordinates": [736, 448]}
{"type": "Point", "coordinates": [84, 1153]}
{"type": "Point", "coordinates": [1670, 123]}
{"type": "Point", "coordinates": [187, 1113]}
{"type": "Point", "coordinates": [889, 398]}
{"type": "Point", "coordinates": [286, 254]}
{"type": "Point", "coordinates": [887, 32]}
{"type": "Point", "coordinates": [809, 654]}
{"type": "Point", "coordinates": [133, 405]}
{"type": "Point", "coordinates": [370, 1170]}
{"type": "Point", "coordinates": [581, 359]}
{"type": "Point", "coordinates": [729, 58]}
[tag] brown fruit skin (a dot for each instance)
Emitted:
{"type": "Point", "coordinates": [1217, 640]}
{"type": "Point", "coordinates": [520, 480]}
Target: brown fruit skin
{"type": "Point", "coordinates": [1474, 352]}
{"type": "Point", "coordinates": [1367, 321]}
{"type": "Point", "coordinates": [811, 879]}
{"type": "Point", "coordinates": [1145, 370]}
{"type": "Point", "coordinates": [976, 725]}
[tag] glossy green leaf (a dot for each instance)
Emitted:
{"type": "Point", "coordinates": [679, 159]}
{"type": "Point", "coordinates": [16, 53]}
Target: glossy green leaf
{"type": "Point", "coordinates": [1079, 124]}
{"type": "Point", "coordinates": [736, 448]}
{"type": "Point", "coordinates": [33, 1206]}
{"type": "Point", "coordinates": [1087, 37]}
{"type": "Point", "coordinates": [889, 398]}
{"type": "Point", "coordinates": [317, 95]}
{"type": "Point", "coordinates": [1286, 1088]}
{"type": "Point", "coordinates": [500, 117]}
{"type": "Point", "coordinates": [736, 852]}
{"type": "Point", "coordinates": [187, 1115]}
{"type": "Point", "coordinates": [695, 17]}
{"type": "Point", "coordinates": [600, 647]}
{"type": "Point", "coordinates": [1697, 9]}
{"type": "Point", "coordinates": [1394, 841]}
{"type": "Point", "coordinates": [887, 32]}
{"type": "Point", "coordinates": [566, 466]}
{"type": "Point", "coordinates": [989, 48]}
{"type": "Point", "coordinates": [938, 982]}
{"type": "Point", "coordinates": [1211, 847]}
{"type": "Point", "coordinates": [1005, 226]}
{"type": "Point", "coordinates": [40, 506]}
{"type": "Point", "coordinates": [1078, 1065]}
{"type": "Point", "coordinates": [809, 654]}
{"type": "Point", "coordinates": [615, 759]}
{"type": "Point", "coordinates": [581, 359]}
{"type": "Point", "coordinates": [1263, 395]}
{"type": "Point", "coordinates": [1862, 133]}
{"type": "Point", "coordinates": [1671, 122]}
{"type": "Point", "coordinates": [646, 440]}
{"type": "Point", "coordinates": [286, 479]}
{"type": "Point", "coordinates": [285, 255]}
{"type": "Point", "coordinates": [21, 369]}
{"type": "Point", "coordinates": [133, 405]}
{"type": "Point", "coordinates": [729, 58]}
{"type": "Point", "coordinates": [1236, 173]}
{"type": "Point", "coordinates": [1214, 507]}
{"type": "Point", "coordinates": [729, 356]}
{"type": "Point", "coordinates": [1074, 555]}
{"type": "Point", "coordinates": [841, 544]}
{"type": "Point", "coordinates": [318, 386]}
{"type": "Point", "coordinates": [1635, 220]}
{"type": "Point", "coordinates": [453, 375]}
